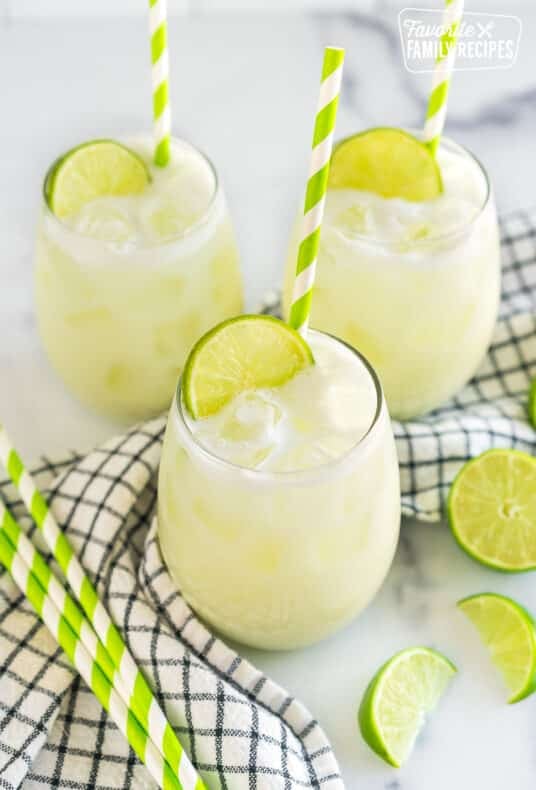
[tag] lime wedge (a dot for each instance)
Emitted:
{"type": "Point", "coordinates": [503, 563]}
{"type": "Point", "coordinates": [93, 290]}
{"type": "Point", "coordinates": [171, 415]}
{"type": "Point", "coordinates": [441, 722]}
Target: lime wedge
{"type": "Point", "coordinates": [397, 700]}
{"type": "Point", "coordinates": [532, 404]}
{"type": "Point", "coordinates": [509, 632]}
{"type": "Point", "coordinates": [244, 353]}
{"type": "Point", "coordinates": [93, 170]}
{"type": "Point", "coordinates": [492, 509]}
{"type": "Point", "coordinates": [389, 162]}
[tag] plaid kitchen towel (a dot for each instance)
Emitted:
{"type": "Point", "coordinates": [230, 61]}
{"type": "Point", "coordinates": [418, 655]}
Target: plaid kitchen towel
{"type": "Point", "coordinates": [492, 409]}
{"type": "Point", "coordinates": [241, 730]}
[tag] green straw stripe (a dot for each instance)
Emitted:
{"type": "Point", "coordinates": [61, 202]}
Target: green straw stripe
{"type": "Point", "coordinates": [67, 638]}
{"type": "Point", "coordinates": [103, 659]}
{"type": "Point", "coordinates": [433, 144]}
{"type": "Point", "coordinates": [160, 99]}
{"type": "Point", "coordinates": [333, 58]}
{"type": "Point", "coordinates": [63, 552]}
{"type": "Point", "coordinates": [308, 251]}
{"type": "Point", "coordinates": [15, 467]}
{"type": "Point", "coordinates": [136, 736]}
{"type": "Point", "coordinates": [163, 152]}
{"type": "Point", "coordinates": [447, 41]}
{"type": "Point", "coordinates": [115, 645]}
{"type": "Point", "coordinates": [7, 552]}
{"type": "Point", "coordinates": [169, 779]}
{"type": "Point", "coordinates": [88, 598]}
{"type": "Point", "coordinates": [172, 748]}
{"type": "Point", "coordinates": [71, 612]}
{"type": "Point", "coordinates": [38, 509]}
{"type": "Point", "coordinates": [35, 593]}
{"type": "Point", "coordinates": [102, 689]}
{"type": "Point", "coordinates": [42, 571]}
{"type": "Point", "coordinates": [316, 188]}
{"type": "Point", "coordinates": [325, 121]}
{"type": "Point", "coordinates": [158, 42]}
{"type": "Point", "coordinates": [437, 98]}
{"type": "Point", "coordinates": [299, 312]}
{"type": "Point", "coordinates": [11, 529]}
{"type": "Point", "coordinates": [143, 698]}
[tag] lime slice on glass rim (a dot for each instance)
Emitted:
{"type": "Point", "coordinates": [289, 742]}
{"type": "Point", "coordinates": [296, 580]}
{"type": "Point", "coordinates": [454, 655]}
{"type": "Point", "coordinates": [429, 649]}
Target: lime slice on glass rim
{"type": "Point", "coordinates": [93, 170]}
{"type": "Point", "coordinates": [243, 353]}
{"type": "Point", "coordinates": [492, 509]}
{"type": "Point", "coordinates": [390, 162]}
{"type": "Point", "coordinates": [403, 691]}
{"type": "Point", "coordinates": [509, 632]}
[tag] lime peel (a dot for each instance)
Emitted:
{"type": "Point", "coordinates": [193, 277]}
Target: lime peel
{"type": "Point", "coordinates": [398, 698]}
{"type": "Point", "coordinates": [92, 170]}
{"type": "Point", "coordinates": [492, 509]}
{"type": "Point", "coordinates": [387, 161]}
{"type": "Point", "coordinates": [243, 353]}
{"type": "Point", "coordinates": [509, 632]}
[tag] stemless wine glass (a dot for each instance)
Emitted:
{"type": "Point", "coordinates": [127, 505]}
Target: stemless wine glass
{"type": "Point", "coordinates": [419, 301]}
{"type": "Point", "coordinates": [125, 288]}
{"type": "Point", "coordinates": [280, 559]}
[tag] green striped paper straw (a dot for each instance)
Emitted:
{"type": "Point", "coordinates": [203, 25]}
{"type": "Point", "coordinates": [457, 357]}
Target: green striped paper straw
{"type": "Point", "coordinates": [437, 104]}
{"type": "Point", "coordinates": [160, 81]}
{"type": "Point", "coordinates": [90, 671]}
{"type": "Point", "coordinates": [65, 605]}
{"type": "Point", "coordinates": [59, 596]}
{"type": "Point", "coordinates": [150, 714]}
{"type": "Point", "coordinates": [316, 188]}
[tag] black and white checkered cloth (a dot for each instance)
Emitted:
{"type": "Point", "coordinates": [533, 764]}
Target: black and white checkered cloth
{"type": "Point", "coordinates": [492, 409]}
{"type": "Point", "coordinates": [242, 731]}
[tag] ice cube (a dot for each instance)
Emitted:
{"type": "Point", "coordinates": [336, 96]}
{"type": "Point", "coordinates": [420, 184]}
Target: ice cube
{"type": "Point", "coordinates": [108, 219]}
{"type": "Point", "coordinates": [164, 217]}
{"type": "Point", "coordinates": [353, 221]}
{"type": "Point", "coordinates": [251, 417]}
{"type": "Point", "coordinates": [419, 230]}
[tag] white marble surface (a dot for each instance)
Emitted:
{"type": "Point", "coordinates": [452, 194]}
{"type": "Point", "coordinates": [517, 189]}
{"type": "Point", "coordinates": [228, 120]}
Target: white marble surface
{"type": "Point", "coordinates": [244, 89]}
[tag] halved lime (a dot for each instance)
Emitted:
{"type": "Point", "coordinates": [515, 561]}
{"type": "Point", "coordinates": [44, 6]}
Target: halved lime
{"type": "Point", "coordinates": [492, 509]}
{"type": "Point", "coordinates": [244, 353]}
{"type": "Point", "coordinates": [532, 404]}
{"type": "Point", "coordinates": [398, 699]}
{"type": "Point", "coordinates": [509, 632]}
{"type": "Point", "coordinates": [92, 170]}
{"type": "Point", "coordinates": [387, 161]}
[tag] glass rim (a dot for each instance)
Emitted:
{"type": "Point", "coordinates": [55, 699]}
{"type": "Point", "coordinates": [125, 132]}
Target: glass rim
{"type": "Point", "coordinates": [185, 234]}
{"type": "Point", "coordinates": [453, 234]}
{"type": "Point", "coordinates": [297, 476]}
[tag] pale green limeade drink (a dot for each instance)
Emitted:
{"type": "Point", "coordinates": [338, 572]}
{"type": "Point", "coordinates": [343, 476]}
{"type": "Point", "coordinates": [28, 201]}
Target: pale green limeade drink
{"type": "Point", "coordinates": [279, 515]}
{"type": "Point", "coordinates": [126, 285]}
{"type": "Point", "coordinates": [413, 285]}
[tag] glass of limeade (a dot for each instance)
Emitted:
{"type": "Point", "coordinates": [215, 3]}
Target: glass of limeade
{"type": "Point", "coordinates": [127, 283]}
{"type": "Point", "coordinates": [279, 515]}
{"type": "Point", "coordinates": [413, 284]}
